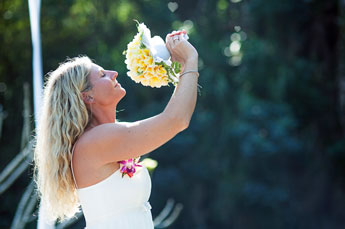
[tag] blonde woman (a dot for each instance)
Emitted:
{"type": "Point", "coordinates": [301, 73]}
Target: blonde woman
{"type": "Point", "coordinates": [80, 143]}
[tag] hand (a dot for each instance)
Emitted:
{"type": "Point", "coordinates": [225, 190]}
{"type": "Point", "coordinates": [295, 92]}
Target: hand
{"type": "Point", "coordinates": [181, 50]}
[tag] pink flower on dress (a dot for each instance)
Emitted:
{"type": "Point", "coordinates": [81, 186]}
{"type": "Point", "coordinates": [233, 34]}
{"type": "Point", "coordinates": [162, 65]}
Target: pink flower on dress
{"type": "Point", "coordinates": [128, 166]}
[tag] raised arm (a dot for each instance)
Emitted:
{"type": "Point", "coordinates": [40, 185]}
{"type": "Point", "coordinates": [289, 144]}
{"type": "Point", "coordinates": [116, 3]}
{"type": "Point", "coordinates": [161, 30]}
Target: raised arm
{"type": "Point", "coordinates": [118, 141]}
{"type": "Point", "coordinates": [183, 100]}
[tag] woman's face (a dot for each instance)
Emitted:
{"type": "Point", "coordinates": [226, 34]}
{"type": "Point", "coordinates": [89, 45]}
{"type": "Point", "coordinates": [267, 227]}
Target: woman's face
{"type": "Point", "coordinates": [105, 88]}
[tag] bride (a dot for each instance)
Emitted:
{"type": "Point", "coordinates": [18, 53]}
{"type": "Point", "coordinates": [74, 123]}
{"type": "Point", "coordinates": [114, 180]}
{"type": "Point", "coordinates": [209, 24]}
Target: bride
{"type": "Point", "coordinates": [80, 143]}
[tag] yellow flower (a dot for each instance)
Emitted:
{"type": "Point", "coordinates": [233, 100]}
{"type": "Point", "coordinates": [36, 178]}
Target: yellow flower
{"type": "Point", "coordinates": [148, 75]}
{"type": "Point", "coordinates": [142, 66]}
{"type": "Point", "coordinates": [155, 82]}
{"type": "Point", "coordinates": [149, 69]}
{"type": "Point", "coordinates": [146, 52]}
{"type": "Point", "coordinates": [149, 61]}
{"type": "Point", "coordinates": [161, 70]}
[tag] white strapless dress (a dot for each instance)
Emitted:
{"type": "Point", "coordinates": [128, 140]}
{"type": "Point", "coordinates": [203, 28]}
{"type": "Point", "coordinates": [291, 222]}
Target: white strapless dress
{"type": "Point", "coordinates": [118, 202]}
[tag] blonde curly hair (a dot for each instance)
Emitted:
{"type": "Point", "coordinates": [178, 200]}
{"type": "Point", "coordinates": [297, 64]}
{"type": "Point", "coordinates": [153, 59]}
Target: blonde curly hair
{"type": "Point", "coordinates": [63, 120]}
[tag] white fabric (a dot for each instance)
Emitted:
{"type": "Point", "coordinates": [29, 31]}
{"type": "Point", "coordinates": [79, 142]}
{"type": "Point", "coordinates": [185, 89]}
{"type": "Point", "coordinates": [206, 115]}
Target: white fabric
{"type": "Point", "coordinates": [118, 202]}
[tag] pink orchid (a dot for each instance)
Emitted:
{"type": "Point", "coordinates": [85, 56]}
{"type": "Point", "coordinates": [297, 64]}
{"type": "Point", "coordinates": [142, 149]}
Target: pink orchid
{"type": "Point", "coordinates": [128, 166]}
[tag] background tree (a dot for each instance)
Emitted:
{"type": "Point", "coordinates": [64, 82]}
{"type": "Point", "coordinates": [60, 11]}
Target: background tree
{"type": "Point", "coordinates": [265, 147]}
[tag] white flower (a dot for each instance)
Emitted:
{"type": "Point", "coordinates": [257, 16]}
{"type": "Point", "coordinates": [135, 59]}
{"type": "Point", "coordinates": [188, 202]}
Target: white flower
{"type": "Point", "coordinates": [145, 35]}
{"type": "Point", "coordinates": [159, 49]}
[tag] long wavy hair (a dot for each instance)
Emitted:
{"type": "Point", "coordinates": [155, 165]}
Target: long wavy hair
{"type": "Point", "coordinates": [63, 120]}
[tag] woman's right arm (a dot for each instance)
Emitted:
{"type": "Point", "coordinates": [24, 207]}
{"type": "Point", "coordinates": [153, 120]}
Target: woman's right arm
{"type": "Point", "coordinates": [118, 141]}
{"type": "Point", "coordinates": [183, 100]}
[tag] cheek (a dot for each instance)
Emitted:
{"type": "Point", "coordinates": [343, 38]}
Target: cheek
{"type": "Point", "coordinates": [108, 94]}
{"type": "Point", "coordinates": [101, 92]}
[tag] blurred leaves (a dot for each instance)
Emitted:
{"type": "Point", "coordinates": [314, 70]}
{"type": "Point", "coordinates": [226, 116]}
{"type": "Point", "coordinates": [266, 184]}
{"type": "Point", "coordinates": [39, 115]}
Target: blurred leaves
{"type": "Point", "coordinates": [264, 148]}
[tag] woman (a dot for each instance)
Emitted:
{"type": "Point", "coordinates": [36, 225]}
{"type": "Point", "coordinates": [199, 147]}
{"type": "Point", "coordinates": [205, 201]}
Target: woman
{"type": "Point", "coordinates": [79, 142]}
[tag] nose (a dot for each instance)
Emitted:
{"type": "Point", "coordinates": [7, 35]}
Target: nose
{"type": "Point", "coordinates": [113, 74]}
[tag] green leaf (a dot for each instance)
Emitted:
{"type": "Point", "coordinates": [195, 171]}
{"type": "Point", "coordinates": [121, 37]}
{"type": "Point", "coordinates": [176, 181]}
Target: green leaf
{"type": "Point", "coordinates": [176, 66]}
{"type": "Point", "coordinates": [142, 46]}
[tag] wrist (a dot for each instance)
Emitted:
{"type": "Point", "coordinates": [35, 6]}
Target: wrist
{"type": "Point", "coordinates": [192, 59]}
{"type": "Point", "coordinates": [190, 65]}
{"type": "Point", "coordinates": [194, 72]}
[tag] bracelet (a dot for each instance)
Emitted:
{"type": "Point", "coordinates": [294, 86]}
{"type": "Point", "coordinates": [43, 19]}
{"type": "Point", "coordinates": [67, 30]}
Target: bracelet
{"type": "Point", "coordinates": [192, 71]}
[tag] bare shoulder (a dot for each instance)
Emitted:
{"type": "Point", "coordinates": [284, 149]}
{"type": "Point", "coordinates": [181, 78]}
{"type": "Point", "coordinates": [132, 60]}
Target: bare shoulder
{"type": "Point", "coordinates": [97, 136]}
{"type": "Point", "coordinates": [98, 133]}
{"type": "Point", "coordinates": [117, 141]}
{"type": "Point", "coordinates": [88, 166]}
{"type": "Point", "coordinates": [94, 142]}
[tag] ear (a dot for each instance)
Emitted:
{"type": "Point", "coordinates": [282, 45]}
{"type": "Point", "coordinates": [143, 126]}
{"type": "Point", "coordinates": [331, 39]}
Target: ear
{"type": "Point", "coordinates": [87, 98]}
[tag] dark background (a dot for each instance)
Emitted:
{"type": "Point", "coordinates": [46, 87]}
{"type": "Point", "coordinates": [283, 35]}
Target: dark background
{"type": "Point", "coordinates": [266, 144]}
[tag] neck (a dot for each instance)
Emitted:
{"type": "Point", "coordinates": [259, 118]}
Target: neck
{"type": "Point", "coordinates": [102, 115]}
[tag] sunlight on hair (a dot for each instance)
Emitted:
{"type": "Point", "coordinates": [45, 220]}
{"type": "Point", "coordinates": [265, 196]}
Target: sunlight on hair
{"type": "Point", "coordinates": [64, 118]}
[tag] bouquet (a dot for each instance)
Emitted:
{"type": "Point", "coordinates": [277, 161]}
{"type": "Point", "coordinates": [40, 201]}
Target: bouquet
{"type": "Point", "coordinates": [148, 60]}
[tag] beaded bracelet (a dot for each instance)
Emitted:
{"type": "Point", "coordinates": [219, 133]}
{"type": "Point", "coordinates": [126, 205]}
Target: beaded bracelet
{"type": "Point", "coordinates": [192, 71]}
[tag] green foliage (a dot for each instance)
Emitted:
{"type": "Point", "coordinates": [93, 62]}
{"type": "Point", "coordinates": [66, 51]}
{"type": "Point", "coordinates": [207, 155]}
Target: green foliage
{"type": "Point", "coordinates": [265, 148]}
{"type": "Point", "coordinates": [176, 66]}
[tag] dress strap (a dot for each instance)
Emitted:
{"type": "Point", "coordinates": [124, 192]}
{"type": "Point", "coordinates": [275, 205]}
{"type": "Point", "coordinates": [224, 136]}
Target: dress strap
{"type": "Point", "coordinates": [75, 183]}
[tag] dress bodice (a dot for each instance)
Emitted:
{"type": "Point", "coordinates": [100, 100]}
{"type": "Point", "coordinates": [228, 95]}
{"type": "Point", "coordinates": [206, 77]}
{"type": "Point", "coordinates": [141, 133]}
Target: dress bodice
{"type": "Point", "coordinates": [118, 202]}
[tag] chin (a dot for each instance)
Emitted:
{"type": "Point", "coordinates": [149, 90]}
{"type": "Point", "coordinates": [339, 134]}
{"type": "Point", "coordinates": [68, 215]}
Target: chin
{"type": "Point", "coordinates": [124, 92]}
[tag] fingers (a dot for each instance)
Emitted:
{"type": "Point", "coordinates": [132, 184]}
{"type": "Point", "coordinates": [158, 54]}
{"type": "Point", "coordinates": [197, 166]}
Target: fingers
{"type": "Point", "coordinates": [178, 33]}
{"type": "Point", "coordinates": [174, 33]}
{"type": "Point", "coordinates": [169, 44]}
{"type": "Point", "coordinates": [174, 39]}
{"type": "Point", "coordinates": [169, 41]}
{"type": "Point", "coordinates": [181, 37]}
{"type": "Point", "coordinates": [170, 35]}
